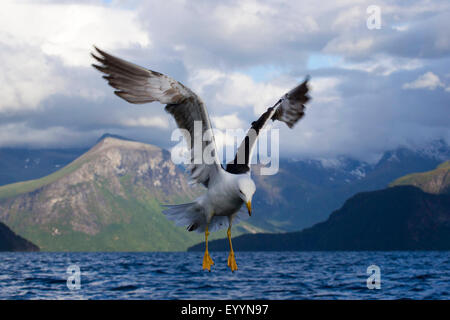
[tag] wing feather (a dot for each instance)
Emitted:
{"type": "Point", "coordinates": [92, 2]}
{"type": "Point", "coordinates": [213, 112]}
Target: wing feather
{"type": "Point", "coordinates": [139, 85]}
{"type": "Point", "coordinates": [289, 109]}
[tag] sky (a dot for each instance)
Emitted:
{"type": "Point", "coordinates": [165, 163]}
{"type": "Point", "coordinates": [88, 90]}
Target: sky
{"type": "Point", "coordinates": [372, 89]}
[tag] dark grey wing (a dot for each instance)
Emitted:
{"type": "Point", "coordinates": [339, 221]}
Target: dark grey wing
{"type": "Point", "coordinates": [139, 85]}
{"type": "Point", "coordinates": [289, 109]}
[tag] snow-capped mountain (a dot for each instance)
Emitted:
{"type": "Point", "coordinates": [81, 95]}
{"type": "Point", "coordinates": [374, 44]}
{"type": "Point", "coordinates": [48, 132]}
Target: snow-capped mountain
{"type": "Point", "coordinates": [307, 191]}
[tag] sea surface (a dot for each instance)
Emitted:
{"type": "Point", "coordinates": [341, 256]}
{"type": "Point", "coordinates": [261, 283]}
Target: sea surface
{"type": "Point", "coordinates": [261, 275]}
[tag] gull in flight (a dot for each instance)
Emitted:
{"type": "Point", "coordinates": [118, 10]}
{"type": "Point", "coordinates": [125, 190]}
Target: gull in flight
{"type": "Point", "coordinates": [229, 188]}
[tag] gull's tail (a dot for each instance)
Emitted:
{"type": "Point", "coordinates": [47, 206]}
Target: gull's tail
{"type": "Point", "coordinates": [186, 214]}
{"type": "Point", "coordinates": [191, 216]}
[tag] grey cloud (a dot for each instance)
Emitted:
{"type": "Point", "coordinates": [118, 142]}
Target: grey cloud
{"type": "Point", "coordinates": [373, 113]}
{"type": "Point", "coordinates": [427, 38]}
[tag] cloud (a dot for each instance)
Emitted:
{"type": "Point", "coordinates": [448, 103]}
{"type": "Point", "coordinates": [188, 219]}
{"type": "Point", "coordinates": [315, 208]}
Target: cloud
{"type": "Point", "coordinates": [385, 65]}
{"type": "Point", "coordinates": [20, 134]}
{"type": "Point", "coordinates": [325, 89]}
{"type": "Point", "coordinates": [40, 41]}
{"type": "Point", "coordinates": [240, 57]}
{"type": "Point", "coordinates": [28, 76]}
{"type": "Point", "coordinates": [68, 31]}
{"type": "Point", "coordinates": [428, 81]}
{"type": "Point", "coordinates": [239, 90]}
{"type": "Point", "coordinates": [230, 121]}
{"type": "Point", "coordinates": [158, 122]}
{"type": "Point", "coordinates": [408, 31]}
{"type": "Point", "coordinates": [355, 46]}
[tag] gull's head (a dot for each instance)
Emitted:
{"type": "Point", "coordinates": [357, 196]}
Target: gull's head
{"type": "Point", "coordinates": [246, 190]}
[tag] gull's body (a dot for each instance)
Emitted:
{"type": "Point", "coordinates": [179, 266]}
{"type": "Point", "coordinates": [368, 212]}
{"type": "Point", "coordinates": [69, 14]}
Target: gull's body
{"type": "Point", "coordinates": [219, 206]}
{"type": "Point", "coordinates": [228, 189]}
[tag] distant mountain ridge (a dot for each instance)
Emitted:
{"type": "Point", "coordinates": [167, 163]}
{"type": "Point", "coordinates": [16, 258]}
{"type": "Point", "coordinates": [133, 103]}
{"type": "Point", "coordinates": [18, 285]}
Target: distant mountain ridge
{"type": "Point", "coordinates": [301, 194]}
{"type": "Point", "coordinates": [21, 164]}
{"type": "Point", "coordinates": [305, 192]}
{"type": "Point", "coordinates": [397, 218]}
{"type": "Point", "coordinates": [115, 136]}
{"type": "Point", "coordinates": [436, 181]}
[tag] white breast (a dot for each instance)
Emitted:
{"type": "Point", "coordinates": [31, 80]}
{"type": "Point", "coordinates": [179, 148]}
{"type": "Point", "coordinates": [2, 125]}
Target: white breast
{"type": "Point", "coordinates": [224, 197]}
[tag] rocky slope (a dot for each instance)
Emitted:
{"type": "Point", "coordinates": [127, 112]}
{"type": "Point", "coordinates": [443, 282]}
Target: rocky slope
{"type": "Point", "coordinates": [107, 199]}
{"type": "Point", "coordinates": [9, 241]}
{"type": "Point", "coordinates": [398, 218]}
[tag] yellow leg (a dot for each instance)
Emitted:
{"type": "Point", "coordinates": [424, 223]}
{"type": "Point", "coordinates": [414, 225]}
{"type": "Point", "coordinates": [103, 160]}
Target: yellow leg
{"type": "Point", "coordinates": [231, 260]}
{"type": "Point", "coordinates": [207, 261]}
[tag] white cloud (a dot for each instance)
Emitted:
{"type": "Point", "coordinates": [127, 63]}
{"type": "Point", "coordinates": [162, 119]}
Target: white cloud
{"type": "Point", "coordinates": [350, 46]}
{"type": "Point", "coordinates": [384, 65]}
{"type": "Point", "coordinates": [241, 90]}
{"type": "Point", "coordinates": [156, 122]}
{"type": "Point", "coordinates": [27, 77]}
{"type": "Point", "coordinates": [324, 89]}
{"type": "Point", "coordinates": [215, 48]}
{"type": "Point", "coordinates": [35, 37]}
{"type": "Point", "coordinates": [428, 81]}
{"type": "Point", "coordinates": [230, 121]}
{"type": "Point", "coordinates": [348, 19]}
{"type": "Point", "coordinates": [238, 89]}
{"type": "Point", "coordinates": [68, 31]}
{"type": "Point", "coordinates": [14, 134]}
{"type": "Point", "coordinates": [246, 15]}
{"type": "Point", "coordinates": [401, 27]}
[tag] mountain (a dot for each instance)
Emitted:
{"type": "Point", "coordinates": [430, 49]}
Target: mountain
{"type": "Point", "coordinates": [109, 199]}
{"type": "Point", "coordinates": [434, 181]}
{"type": "Point", "coordinates": [302, 193]}
{"type": "Point", "coordinates": [9, 241]}
{"type": "Point", "coordinates": [397, 218]}
{"type": "Point", "coordinates": [306, 191]}
{"type": "Point", "coordinates": [115, 136]}
{"type": "Point", "coordinates": [21, 164]}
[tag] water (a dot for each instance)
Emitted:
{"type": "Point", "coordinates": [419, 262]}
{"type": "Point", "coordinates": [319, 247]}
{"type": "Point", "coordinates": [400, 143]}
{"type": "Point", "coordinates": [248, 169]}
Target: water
{"type": "Point", "coordinates": [261, 275]}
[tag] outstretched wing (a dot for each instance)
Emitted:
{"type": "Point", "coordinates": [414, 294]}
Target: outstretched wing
{"type": "Point", "coordinates": [289, 109]}
{"type": "Point", "coordinates": [139, 85]}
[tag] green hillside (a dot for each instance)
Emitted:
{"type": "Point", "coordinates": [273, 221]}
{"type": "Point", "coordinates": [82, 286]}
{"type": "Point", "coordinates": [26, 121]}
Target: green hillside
{"type": "Point", "coordinates": [15, 189]}
{"type": "Point", "coordinates": [109, 199]}
{"type": "Point", "coordinates": [132, 224]}
{"type": "Point", "coordinates": [436, 181]}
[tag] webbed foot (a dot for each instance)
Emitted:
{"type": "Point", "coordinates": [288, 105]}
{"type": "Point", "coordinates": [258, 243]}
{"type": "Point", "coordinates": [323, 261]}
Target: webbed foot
{"type": "Point", "coordinates": [207, 261]}
{"type": "Point", "coordinates": [232, 261]}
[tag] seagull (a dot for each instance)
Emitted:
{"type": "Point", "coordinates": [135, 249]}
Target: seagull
{"type": "Point", "coordinates": [229, 187]}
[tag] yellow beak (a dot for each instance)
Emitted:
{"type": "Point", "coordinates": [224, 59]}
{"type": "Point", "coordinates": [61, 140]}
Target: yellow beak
{"type": "Point", "coordinates": [249, 207]}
